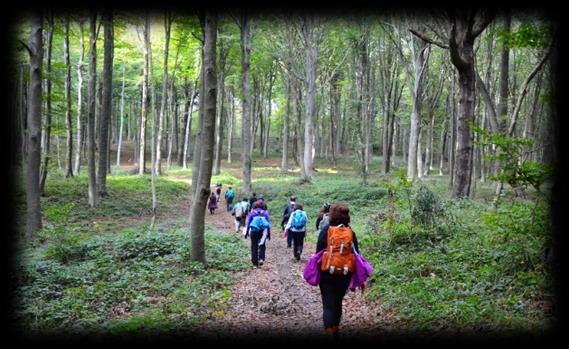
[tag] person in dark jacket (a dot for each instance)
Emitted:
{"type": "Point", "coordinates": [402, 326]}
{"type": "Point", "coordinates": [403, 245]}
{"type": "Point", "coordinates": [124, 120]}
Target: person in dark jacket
{"type": "Point", "coordinates": [286, 215]}
{"type": "Point", "coordinates": [252, 199]}
{"type": "Point", "coordinates": [322, 219]}
{"type": "Point", "coordinates": [333, 287]}
{"type": "Point", "coordinates": [212, 205]}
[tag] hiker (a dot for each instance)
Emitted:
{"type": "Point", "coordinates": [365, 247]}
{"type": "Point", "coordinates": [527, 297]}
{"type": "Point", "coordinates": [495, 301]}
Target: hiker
{"type": "Point", "coordinates": [252, 199]}
{"type": "Point", "coordinates": [259, 228]}
{"type": "Point", "coordinates": [337, 239]}
{"type": "Point", "coordinates": [322, 219]}
{"type": "Point", "coordinates": [261, 198]}
{"type": "Point", "coordinates": [218, 187]}
{"type": "Point", "coordinates": [286, 215]}
{"type": "Point", "coordinates": [229, 195]}
{"type": "Point", "coordinates": [296, 227]}
{"type": "Point", "coordinates": [212, 205]}
{"type": "Point", "coordinates": [239, 212]}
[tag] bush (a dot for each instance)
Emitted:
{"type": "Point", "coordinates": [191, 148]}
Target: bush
{"type": "Point", "coordinates": [427, 207]}
{"type": "Point", "coordinates": [63, 241]}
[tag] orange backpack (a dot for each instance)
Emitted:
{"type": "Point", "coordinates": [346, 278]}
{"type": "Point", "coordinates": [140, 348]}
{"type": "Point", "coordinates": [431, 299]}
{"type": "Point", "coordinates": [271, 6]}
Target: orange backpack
{"type": "Point", "coordinates": [338, 258]}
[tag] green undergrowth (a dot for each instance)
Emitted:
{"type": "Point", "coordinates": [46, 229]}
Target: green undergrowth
{"type": "Point", "coordinates": [130, 282]}
{"type": "Point", "coordinates": [128, 195]}
{"type": "Point", "coordinates": [440, 263]}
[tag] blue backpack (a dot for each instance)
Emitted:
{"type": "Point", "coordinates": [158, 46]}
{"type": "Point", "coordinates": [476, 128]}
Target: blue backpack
{"type": "Point", "coordinates": [298, 219]}
{"type": "Point", "coordinates": [259, 223]}
{"type": "Point", "coordinates": [229, 194]}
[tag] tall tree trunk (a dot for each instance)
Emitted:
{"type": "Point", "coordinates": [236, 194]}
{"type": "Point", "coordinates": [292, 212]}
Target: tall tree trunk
{"type": "Point", "coordinates": [502, 107]}
{"type": "Point", "coordinates": [452, 143]}
{"type": "Point", "coordinates": [231, 101]}
{"type": "Point", "coordinates": [268, 117]}
{"type": "Point", "coordinates": [33, 208]}
{"type": "Point", "coordinates": [106, 107]}
{"type": "Point", "coordinates": [220, 111]}
{"type": "Point", "coordinates": [91, 110]}
{"type": "Point", "coordinates": [145, 98]}
{"type": "Point", "coordinates": [246, 116]}
{"type": "Point", "coordinates": [158, 141]}
{"type": "Point", "coordinates": [419, 155]}
{"type": "Point", "coordinates": [188, 127]}
{"type": "Point", "coordinates": [68, 119]}
{"type": "Point", "coordinates": [429, 150]}
{"type": "Point", "coordinates": [419, 64]}
{"type": "Point", "coordinates": [77, 165]}
{"type": "Point", "coordinates": [298, 131]}
{"type": "Point", "coordinates": [442, 146]}
{"type": "Point", "coordinates": [286, 116]}
{"type": "Point", "coordinates": [184, 122]}
{"type": "Point", "coordinates": [119, 143]}
{"type": "Point", "coordinates": [334, 116]}
{"type": "Point", "coordinates": [48, 112]}
{"type": "Point", "coordinates": [311, 58]}
{"type": "Point", "coordinates": [462, 56]}
{"type": "Point", "coordinates": [197, 153]}
{"type": "Point", "coordinates": [197, 215]}
{"type": "Point", "coordinates": [171, 122]}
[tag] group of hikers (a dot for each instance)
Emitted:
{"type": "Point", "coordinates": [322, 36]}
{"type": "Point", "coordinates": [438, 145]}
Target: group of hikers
{"type": "Point", "coordinates": [336, 241]}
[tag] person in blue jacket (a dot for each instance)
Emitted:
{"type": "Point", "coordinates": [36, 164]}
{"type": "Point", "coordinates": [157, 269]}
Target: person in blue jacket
{"type": "Point", "coordinates": [259, 228]}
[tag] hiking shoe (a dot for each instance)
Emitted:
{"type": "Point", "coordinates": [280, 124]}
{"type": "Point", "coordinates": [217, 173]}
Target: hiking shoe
{"type": "Point", "coordinates": [297, 257]}
{"type": "Point", "coordinates": [261, 262]}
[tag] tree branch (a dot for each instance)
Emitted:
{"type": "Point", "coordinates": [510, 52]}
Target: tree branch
{"type": "Point", "coordinates": [476, 30]}
{"type": "Point", "coordinates": [428, 39]}
{"type": "Point", "coordinates": [525, 84]}
{"type": "Point", "coordinates": [27, 48]}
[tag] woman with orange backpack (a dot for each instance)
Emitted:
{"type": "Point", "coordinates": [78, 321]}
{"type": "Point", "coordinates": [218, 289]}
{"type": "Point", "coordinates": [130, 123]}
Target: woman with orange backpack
{"type": "Point", "coordinates": [338, 241]}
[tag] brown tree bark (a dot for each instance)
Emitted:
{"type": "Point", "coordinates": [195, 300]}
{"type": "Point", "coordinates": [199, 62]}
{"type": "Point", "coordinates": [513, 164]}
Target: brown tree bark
{"type": "Point", "coordinates": [48, 110]}
{"type": "Point", "coordinates": [246, 118]}
{"type": "Point", "coordinates": [35, 50]}
{"type": "Point", "coordinates": [91, 110]}
{"type": "Point", "coordinates": [68, 119]}
{"type": "Point", "coordinates": [106, 107]}
{"type": "Point", "coordinates": [197, 214]}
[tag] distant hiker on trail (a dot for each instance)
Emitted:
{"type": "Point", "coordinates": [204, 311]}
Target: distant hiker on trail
{"type": "Point", "coordinates": [337, 239]}
{"type": "Point", "coordinates": [239, 213]}
{"type": "Point", "coordinates": [229, 195]}
{"type": "Point", "coordinates": [259, 228]}
{"type": "Point", "coordinates": [212, 205]}
{"type": "Point", "coordinates": [296, 227]}
{"type": "Point", "coordinates": [286, 215]}
{"type": "Point", "coordinates": [322, 219]}
{"type": "Point", "coordinates": [218, 187]}
{"type": "Point", "coordinates": [252, 199]}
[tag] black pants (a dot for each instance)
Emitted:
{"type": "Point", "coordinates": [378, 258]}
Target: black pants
{"type": "Point", "coordinates": [297, 242]}
{"type": "Point", "coordinates": [229, 202]}
{"type": "Point", "coordinates": [333, 289]}
{"type": "Point", "coordinates": [257, 252]}
{"type": "Point", "coordinates": [289, 239]}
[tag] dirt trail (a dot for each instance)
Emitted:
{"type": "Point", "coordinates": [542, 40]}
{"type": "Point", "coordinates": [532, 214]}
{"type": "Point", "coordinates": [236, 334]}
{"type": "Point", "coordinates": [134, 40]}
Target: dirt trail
{"type": "Point", "coordinates": [275, 300]}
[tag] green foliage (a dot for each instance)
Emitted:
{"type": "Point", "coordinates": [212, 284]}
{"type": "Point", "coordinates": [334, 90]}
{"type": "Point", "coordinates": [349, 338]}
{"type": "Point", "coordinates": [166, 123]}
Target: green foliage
{"type": "Point", "coordinates": [427, 207]}
{"type": "Point", "coordinates": [62, 239]}
{"type": "Point", "coordinates": [515, 171]}
{"type": "Point", "coordinates": [155, 288]}
{"type": "Point", "coordinates": [128, 195]}
{"type": "Point", "coordinates": [526, 35]}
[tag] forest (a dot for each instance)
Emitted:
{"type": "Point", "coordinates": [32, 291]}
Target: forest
{"type": "Point", "coordinates": [435, 128]}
